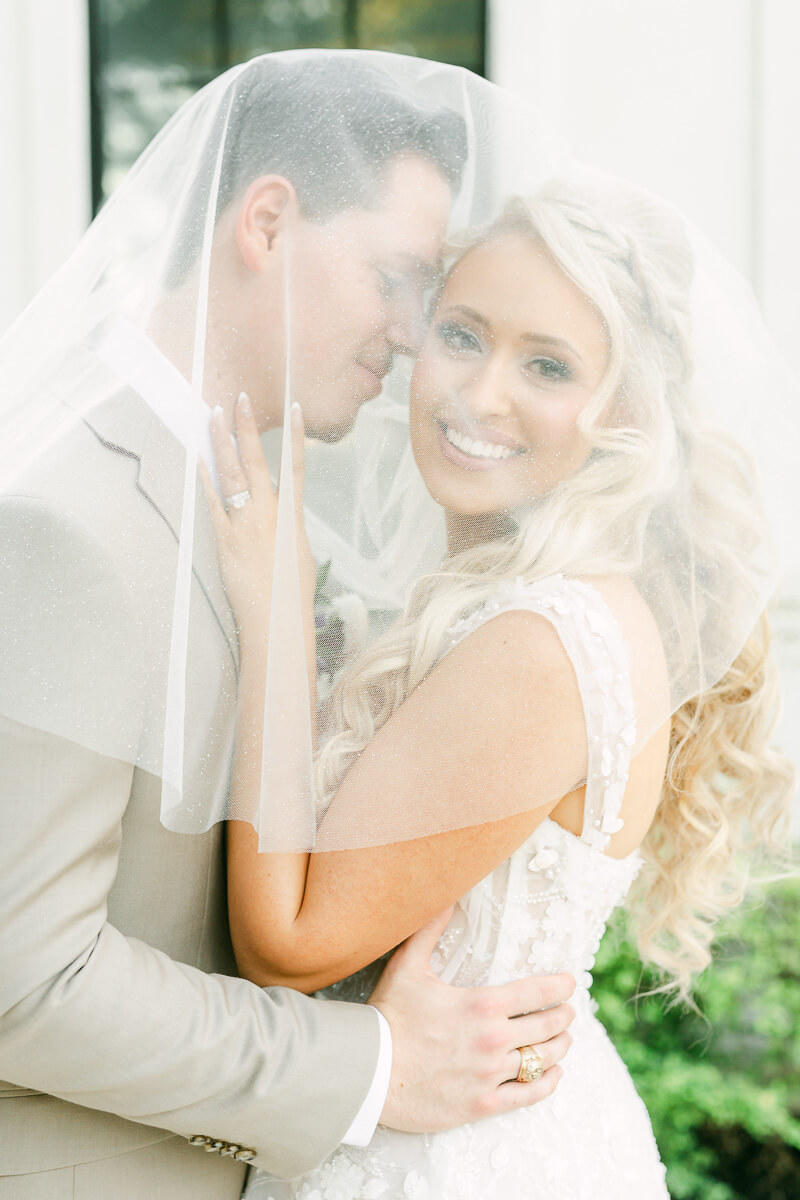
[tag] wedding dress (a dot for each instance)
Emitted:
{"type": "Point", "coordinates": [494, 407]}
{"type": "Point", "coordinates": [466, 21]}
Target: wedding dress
{"type": "Point", "coordinates": [542, 911]}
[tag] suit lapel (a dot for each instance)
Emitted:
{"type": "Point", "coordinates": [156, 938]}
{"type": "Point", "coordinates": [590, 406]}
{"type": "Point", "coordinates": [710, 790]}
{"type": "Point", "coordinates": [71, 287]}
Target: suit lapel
{"type": "Point", "coordinates": [161, 480]}
{"type": "Point", "coordinates": [128, 426]}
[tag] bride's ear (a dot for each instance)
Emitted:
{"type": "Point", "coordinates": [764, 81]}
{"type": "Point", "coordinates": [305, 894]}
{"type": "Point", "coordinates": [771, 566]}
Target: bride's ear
{"type": "Point", "coordinates": [268, 207]}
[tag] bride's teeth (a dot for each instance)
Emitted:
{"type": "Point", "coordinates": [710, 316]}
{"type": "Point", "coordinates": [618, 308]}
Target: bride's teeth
{"type": "Point", "coordinates": [476, 449]}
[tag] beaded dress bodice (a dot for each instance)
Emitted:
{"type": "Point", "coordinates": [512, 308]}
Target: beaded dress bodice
{"type": "Point", "coordinates": [543, 911]}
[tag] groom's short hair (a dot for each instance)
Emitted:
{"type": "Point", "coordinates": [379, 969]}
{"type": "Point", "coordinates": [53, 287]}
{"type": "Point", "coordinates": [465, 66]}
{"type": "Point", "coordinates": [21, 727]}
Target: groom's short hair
{"type": "Point", "coordinates": [329, 125]}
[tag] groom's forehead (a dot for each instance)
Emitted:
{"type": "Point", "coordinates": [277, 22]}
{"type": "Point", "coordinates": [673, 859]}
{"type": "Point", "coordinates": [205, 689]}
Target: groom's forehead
{"type": "Point", "coordinates": [408, 221]}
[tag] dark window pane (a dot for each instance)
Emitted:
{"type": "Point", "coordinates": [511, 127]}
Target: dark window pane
{"type": "Point", "coordinates": [447, 30]}
{"type": "Point", "coordinates": [148, 56]}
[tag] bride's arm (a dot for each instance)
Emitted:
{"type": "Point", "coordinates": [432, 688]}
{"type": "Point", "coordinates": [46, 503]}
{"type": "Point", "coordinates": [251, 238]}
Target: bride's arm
{"type": "Point", "coordinates": [501, 714]}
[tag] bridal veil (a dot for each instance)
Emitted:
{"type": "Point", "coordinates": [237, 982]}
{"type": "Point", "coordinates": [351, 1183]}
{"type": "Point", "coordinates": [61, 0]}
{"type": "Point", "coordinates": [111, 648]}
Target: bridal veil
{"type": "Point", "coordinates": [689, 489]}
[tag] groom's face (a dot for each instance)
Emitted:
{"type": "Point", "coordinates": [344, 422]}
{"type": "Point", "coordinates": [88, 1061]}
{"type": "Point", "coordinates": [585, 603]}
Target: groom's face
{"type": "Point", "coordinates": [358, 282]}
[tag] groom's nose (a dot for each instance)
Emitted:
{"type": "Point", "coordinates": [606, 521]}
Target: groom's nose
{"type": "Point", "coordinates": [406, 337]}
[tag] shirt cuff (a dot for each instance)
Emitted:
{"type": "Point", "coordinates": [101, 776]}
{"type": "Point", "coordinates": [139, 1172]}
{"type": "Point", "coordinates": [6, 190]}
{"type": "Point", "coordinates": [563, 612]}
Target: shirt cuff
{"type": "Point", "coordinates": [366, 1119]}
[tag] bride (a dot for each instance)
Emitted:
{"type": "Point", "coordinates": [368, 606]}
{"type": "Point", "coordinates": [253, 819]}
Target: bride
{"type": "Point", "coordinates": [578, 673]}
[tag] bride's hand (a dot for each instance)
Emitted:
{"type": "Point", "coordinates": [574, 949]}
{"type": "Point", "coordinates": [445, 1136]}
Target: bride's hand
{"type": "Point", "coordinates": [246, 535]}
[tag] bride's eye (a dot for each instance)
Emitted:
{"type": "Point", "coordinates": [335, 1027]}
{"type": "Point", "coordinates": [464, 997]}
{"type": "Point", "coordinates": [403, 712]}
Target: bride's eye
{"type": "Point", "coordinates": [550, 368]}
{"type": "Point", "coordinates": [457, 338]}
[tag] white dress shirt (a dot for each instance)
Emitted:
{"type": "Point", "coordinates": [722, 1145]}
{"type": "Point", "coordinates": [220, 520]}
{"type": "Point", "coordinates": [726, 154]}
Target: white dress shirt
{"type": "Point", "coordinates": [361, 1131]}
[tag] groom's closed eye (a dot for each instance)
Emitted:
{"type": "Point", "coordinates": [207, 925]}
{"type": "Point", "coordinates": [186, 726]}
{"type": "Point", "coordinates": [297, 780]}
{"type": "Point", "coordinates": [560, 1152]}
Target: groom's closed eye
{"type": "Point", "coordinates": [390, 285]}
{"type": "Point", "coordinates": [410, 273]}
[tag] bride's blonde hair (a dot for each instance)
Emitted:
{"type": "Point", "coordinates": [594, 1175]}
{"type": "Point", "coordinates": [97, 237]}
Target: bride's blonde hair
{"type": "Point", "coordinates": [726, 794]}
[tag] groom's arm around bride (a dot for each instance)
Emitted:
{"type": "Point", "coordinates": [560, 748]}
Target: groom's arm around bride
{"type": "Point", "coordinates": [120, 1021]}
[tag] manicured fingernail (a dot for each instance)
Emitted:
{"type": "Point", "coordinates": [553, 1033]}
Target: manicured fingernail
{"type": "Point", "coordinates": [218, 415]}
{"type": "Point", "coordinates": [297, 412]}
{"type": "Point", "coordinates": [245, 407]}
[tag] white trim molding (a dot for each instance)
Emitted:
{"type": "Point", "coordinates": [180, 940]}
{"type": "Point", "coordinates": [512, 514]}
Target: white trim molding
{"type": "Point", "coordinates": [45, 200]}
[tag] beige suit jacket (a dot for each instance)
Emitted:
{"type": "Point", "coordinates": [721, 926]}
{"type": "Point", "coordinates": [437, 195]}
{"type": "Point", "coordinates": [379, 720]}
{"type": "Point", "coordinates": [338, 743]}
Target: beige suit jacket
{"type": "Point", "coordinates": [120, 1021]}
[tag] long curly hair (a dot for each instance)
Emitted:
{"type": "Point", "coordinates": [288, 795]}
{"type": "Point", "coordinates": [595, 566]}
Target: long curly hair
{"type": "Point", "coordinates": [667, 504]}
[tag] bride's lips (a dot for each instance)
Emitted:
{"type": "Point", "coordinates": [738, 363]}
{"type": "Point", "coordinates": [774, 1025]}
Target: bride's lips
{"type": "Point", "coordinates": [489, 448]}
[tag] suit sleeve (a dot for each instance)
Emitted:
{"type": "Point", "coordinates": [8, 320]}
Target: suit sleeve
{"type": "Point", "coordinates": [92, 1016]}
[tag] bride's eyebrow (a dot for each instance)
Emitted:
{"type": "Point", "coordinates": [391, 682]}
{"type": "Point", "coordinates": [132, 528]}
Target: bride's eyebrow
{"type": "Point", "coordinates": [545, 339]}
{"type": "Point", "coordinates": [471, 313]}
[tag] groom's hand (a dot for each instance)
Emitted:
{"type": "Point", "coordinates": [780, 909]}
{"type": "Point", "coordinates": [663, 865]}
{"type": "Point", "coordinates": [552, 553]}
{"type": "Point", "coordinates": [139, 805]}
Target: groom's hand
{"type": "Point", "coordinates": [455, 1050]}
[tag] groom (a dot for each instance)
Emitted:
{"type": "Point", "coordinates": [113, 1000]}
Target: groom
{"type": "Point", "coordinates": [137, 1064]}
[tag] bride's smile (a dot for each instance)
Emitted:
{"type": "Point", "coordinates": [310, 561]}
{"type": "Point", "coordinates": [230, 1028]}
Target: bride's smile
{"type": "Point", "coordinates": [478, 449]}
{"type": "Point", "coordinates": [513, 355]}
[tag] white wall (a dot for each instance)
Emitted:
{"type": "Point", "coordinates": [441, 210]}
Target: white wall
{"type": "Point", "coordinates": [45, 190]}
{"type": "Point", "coordinates": [697, 99]}
{"type": "Point", "coordinates": [779, 164]}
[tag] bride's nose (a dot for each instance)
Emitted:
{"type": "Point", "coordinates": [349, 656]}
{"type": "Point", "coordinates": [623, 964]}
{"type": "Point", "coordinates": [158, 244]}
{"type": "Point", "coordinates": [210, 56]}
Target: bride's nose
{"type": "Point", "coordinates": [489, 391]}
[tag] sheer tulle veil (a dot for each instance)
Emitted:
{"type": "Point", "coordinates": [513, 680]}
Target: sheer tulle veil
{"type": "Point", "coordinates": [689, 489]}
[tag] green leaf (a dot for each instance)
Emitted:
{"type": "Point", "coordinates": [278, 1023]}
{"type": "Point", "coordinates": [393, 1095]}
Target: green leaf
{"type": "Point", "coordinates": [322, 578]}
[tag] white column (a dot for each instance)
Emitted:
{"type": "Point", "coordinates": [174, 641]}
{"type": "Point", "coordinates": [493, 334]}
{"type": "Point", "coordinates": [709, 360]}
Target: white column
{"type": "Point", "coordinates": [45, 196]}
{"type": "Point", "coordinates": [778, 167]}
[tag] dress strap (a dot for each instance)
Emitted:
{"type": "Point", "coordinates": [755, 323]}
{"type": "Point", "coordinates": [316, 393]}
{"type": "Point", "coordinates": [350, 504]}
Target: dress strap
{"type": "Point", "coordinates": [597, 650]}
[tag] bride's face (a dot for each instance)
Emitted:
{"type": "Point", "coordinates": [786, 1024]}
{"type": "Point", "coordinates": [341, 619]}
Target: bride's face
{"type": "Point", "coordinates": [514, 354]}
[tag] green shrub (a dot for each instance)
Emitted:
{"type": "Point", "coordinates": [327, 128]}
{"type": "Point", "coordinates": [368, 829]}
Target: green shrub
{"type": "Point", "coordinates": [722, 1086]}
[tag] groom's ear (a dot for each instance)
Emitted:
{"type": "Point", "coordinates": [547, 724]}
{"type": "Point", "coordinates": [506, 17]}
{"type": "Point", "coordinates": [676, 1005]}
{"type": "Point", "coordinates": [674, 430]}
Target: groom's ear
{"type": "Point", "coordinates": [266, 210]}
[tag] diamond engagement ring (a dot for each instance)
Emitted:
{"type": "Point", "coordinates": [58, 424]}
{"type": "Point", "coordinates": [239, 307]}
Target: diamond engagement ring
{"type": "Point", "coordinates": [532, 1066]}
{"type": "Point", "coordinates": [238, 500]}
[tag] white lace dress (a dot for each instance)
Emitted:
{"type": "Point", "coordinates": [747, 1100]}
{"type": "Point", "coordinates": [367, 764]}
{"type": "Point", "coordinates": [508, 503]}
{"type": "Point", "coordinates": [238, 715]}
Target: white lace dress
{"type": "Point", "coordinates": [541, 912]}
